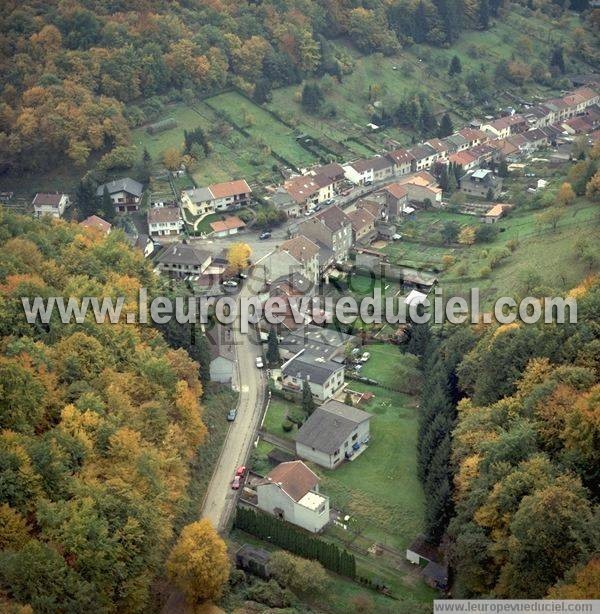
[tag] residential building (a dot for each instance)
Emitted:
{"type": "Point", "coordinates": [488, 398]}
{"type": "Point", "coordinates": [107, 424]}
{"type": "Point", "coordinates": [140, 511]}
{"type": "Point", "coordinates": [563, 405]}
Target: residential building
{"type": "Point", "coordinates": [374, 207]}
{"type": "Point", "coordinates": [363, 225]}
{"type": "Point", "coordinates": [422, 187]}
{"type": "Point", "coordinates": [291, 492]}
{"type": "Point", "coordinates": [125, 193]}
{"type": "Point", "coordinates": [327, 343]}
{"type": "Point", "coordinates": [305, 191]}
{"type": "Point", "coordinates": [231, 225]}
{"type": "Point", "coordinates": [331, 228]}
{"type": "Point", "coordinates": [329, 175]}
{"type": "Point", "coordinates": [396, 198]}
{"type": "Point", "coordinates": [334, 432]}
{"type": "Point", "coordinates": [305, 253]}
{"type": "Point", "coordinates": [97, 224]}
{"type": "Point", "coordinates": [464, 159]}
{"type": "Point", "coordinates": [455, 143]}
{"type": "Point", "coordinates": [424, 156]}
{"type": "Point", "coordinates": [481, 183]}
{"type": "Point", "coordinates": [217, 197]}
{"type": "Point", "coordinates": [440, 147]}
{"type": "Point", "coordinates": [503, 127]}
{"type": "Point", "coordinates": [404, 162]}
{"type": "Point", "coordinates": [144, 244]}
{"type": "Point", "coordinates": [493, 214]}
{"type": "Point", "coordinates": [485, 152]}
{"type": "Point", "coordinates": [182, 259]}
{"type": "Point", "coordinates": [421, 551]}
{"type": "Point", "coordinates": [473, 136]}
{"type": "Point", "coordinates": [325, 377]}
{"type": "Point", "coordinates": [365, 172]}
{"type": "Point", "coordinates": [223, 358]}
{"type": "Point", "coordinates": [52, 204]}
{"type": "Point", "coordinates": [164, 221]}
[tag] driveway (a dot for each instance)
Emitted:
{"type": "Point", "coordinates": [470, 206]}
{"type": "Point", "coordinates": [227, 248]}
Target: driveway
{"type": "Point", "coordinates": [220, 499]}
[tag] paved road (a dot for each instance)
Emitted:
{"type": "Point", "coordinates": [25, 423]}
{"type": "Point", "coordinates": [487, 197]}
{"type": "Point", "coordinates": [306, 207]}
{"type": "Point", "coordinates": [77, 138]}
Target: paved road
{"type": "Point", "coordinates": [220, 498]}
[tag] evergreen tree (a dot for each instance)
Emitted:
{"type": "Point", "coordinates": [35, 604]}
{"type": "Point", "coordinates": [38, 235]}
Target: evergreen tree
{"type": "Point", "coordinates": [107, 208]}
{"type": "Point", "coordinates": [262, 91]}
{"type": "Point", "coordinates": [421, 23]}
{"type": "Point", "coordinates": [455, 66]}
{"type": "Point", "coordinates": [273, 347]}
{"type": "Point", "coordinates": [490, 195]}
{"type": "Point", "coordinates": [503, 168]}
{"type": "Point", "coordinates": [312, 97]}
{"type": "Point", "coordinates": [446, 128]}
{"type": "Point", "coordinates": [484, 14]}
{"type": "Point", "coordinates": [86, 200]}
{"type": "Point", "coordinates": [348, 399]}
{"type": "Point", "coordinates": [557, 59]}
{"type": "Point", "coordinates": [308, 403]}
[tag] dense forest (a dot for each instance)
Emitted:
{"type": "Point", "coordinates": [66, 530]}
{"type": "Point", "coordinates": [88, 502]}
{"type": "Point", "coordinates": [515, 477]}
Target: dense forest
{"type": "Point", "coordinates": [509, 453]}
{"type": "Point", "coordinates": [98, 424]}
{"type": "Point", "coordinates": [77, 75]}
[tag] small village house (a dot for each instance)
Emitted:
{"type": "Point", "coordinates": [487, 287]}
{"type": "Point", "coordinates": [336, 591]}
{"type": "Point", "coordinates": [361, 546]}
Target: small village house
{"type": "Point", "coordinates": [481, 183]}
{"type": "Point", "coordinates": [403, 160]}
{"type": "Point", "coordinates": [217, 197]}
{"type": "Point", "coordinates": [363, 225]}
{"type": "Point", "coordinates": [182, 259]}
{"type": "Point", "coordinates": [96, 223]}
{"type": "Point", "coordinates": [424, 156]}
{"type": "Point", "coordinates": [334, 432]}
{"type": "Point", "coordinates": [52, 204]}
{"type": "Point", "coordinates": [125, 194]}
{"type": "Point", "coordinates": [164, 221]}
{"type": "Point", "coordinates": [330, 228]}
{"type": "Point", "coordinates": [291, 492]}
{"type": "Point", "coordinates": [325, 377]}
{"type": "Point", "coordinates": [222, 354]}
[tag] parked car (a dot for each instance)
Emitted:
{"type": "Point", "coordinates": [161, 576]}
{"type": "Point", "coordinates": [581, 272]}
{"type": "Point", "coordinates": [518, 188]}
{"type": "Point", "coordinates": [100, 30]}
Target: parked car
{"type": "Point", "coordinates": [368, 182]}
{"type": "Point", "coordinates": [365, 356]}
{"type": "Point", "coordinates": [243, 275]}
{"type": "Point", "coordinates": [355, 351]}
{"type": "Point", "coordinates": [259, 362]}
{"type": "Point", "coordinates": [396, 237]}
{"type": "Point", "coordinates": [235, 484]}
{"type": "Point", "coordinates": [329, 201]}
{"type": "Point", "coordinates": [357, 367]}
{"type": "Point", "coordinates": [241, 471]}
{"type": "Point", "coordinates": [231, 414]}
{"type": "Point", "coordinates": [265, 235]}
{"type": "Point", "coordinates": [230, 283]}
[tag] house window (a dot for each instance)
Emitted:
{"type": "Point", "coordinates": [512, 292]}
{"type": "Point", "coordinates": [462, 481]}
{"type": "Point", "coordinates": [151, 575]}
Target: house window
{"type": "Point", "coordinates": [355, 437]}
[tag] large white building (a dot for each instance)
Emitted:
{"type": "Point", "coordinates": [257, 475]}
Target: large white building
{"type": "Point", "coordinates": [164, 221]}
{"type": "Point", "coordinates": [291, 492]}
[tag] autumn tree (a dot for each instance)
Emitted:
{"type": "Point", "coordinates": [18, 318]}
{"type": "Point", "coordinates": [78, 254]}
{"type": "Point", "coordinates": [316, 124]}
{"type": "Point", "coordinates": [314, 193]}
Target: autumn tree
{"type": "Point", "coordinates": [198, 563]}
{"type": "Point", "coordinates": [299, 574]}
{"type": "Point", "coordinates": [592, 189]}
{"type": "Point", "coordinates": [565, 195]}
{"type": "Point", "coordinates": [238, 256]}
{"type": "Point", "coordinates": [172, 158]}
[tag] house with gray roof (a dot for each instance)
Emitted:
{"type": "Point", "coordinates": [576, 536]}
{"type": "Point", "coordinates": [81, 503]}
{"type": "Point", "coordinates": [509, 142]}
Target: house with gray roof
{"type": "Point", "coordinates": [424, 155]}
{"type": "Point", "coordinates": [328, 343]}
{"type": "Point", "coordinates": [182, 259]}
{"type": "Point", "coordinates": [331, 228]}
{"type": "Point", "coordinates": [334, 432]}
{"type": "Point", "coordinates": [325, 377]}
{"type": "Point", "coordinates": [125, 193]}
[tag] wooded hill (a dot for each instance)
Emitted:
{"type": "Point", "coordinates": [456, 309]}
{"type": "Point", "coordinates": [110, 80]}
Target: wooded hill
{"type": "Point", "coordinates": [98, 423]}
{"type": "Point", "coordinates": [509, 453]}
{"type": "Point", "coordinates": [77, 75]}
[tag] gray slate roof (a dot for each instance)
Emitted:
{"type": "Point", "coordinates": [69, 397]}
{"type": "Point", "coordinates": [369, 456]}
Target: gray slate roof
{"type": "Point", "coordinates": [308, 366]}
{"type": "Point", "coordinates": [330, 425]}
{"type": "Point", "coordinates": [121, 185]}
{"type": "Point", "coordinates": [183, 253]}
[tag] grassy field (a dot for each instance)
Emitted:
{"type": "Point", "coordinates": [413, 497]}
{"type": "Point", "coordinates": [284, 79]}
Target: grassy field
{"type": "Point", "coordinates": [277, 413]}
{"type": "Point", "coordinates": [389, 366]}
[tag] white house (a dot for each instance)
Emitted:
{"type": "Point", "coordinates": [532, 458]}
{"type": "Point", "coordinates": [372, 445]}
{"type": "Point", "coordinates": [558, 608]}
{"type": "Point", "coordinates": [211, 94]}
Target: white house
{"type": "Point", "coordinates": [125, 193]}
{"type": "Point", "coordinates": [291, 492]}
{"type": "Point", "coordinates": [50, 203]}
{"type": "Point", "coordinates": [222, 354]}
{"type": "Point", "coordinates": [164, 221]}
{"type": "Point", "coordinates": [216, 197]}
{"type": "Point", "coordinates": [324, 376]}
{"type": "Point", "coordinates": [333, 433]}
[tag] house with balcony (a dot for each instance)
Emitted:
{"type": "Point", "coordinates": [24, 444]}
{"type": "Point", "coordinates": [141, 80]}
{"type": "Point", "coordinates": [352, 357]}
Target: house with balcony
{"type": "Point", "coordinates": [182, 259]}
{"type": "Point", "coordinates": [225, 196]}
{"type": "Point", "coordinates": [290, 492]}
{"type": "Point", "coordinates": [481, 183]}
{"type": "Point", "coordinates": [333, 433]}
{"type": "Point", "coordinates": [324, 376]}
{"type": "Point", "coordinates": [164, 221]}
{"type": "Point", "coordinates": [125, 194]}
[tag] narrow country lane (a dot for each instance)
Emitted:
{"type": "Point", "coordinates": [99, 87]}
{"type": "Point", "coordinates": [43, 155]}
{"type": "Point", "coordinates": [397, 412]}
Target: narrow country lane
{"type": "Point", "coordinates": [220, 498]}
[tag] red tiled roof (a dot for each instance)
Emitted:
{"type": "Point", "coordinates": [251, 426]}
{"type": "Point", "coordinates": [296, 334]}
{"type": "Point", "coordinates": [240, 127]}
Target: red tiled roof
{"type": "Point", "coordinates": [229, 188]}
{"type": "Point", "coordinates": [163, 214]}
{"type": "Point", "coordinates": [462, 157]}
{"type": "Point", "coordinates": [295, 478]}
{"type": "Point", "coordinates": [96, 223]}
{"type": "Point", "coordinates": [301, 248]}
{"type": "Point", "coordinates": [360, 218]}
{"type": "Point", "coordinates": [400, 156]}
{"type": "Point", "coordinates": [300, 188]}
{"type": "Point", "coordinates": [396, 190]}
{"type": "Point", "coordinates": [229, 223]}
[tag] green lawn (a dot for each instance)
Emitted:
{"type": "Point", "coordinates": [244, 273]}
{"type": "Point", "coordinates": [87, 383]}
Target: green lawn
{"type": "Point", "coordinates": [390, 367]}
{"type": "Point", "coordinates": [276, 414]}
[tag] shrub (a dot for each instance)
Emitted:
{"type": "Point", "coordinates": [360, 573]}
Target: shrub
{"type": "Point", "coordinates": [287, 425]}
{"type": "Point", "coordinates": [161, 126]}
{"type": "Point", "coordinates": [485, 271]}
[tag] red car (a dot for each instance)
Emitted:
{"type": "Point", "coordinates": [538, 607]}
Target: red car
{"type": "Point", "coordinates": [236, 482]}
{"type": "Point", "coordinates": [241, 471]}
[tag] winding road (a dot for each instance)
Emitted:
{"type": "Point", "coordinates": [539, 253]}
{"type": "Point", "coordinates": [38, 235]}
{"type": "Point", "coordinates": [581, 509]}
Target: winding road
{"type": "Point", "coordinates": [220, 499]}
